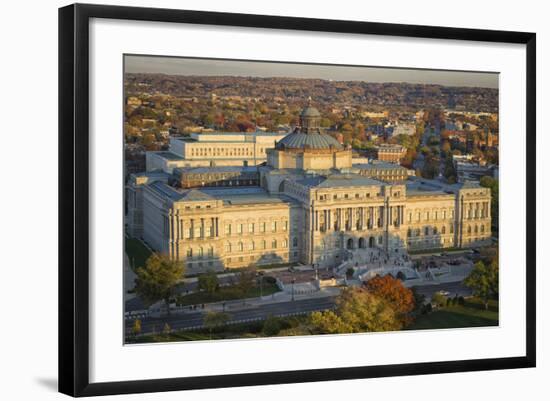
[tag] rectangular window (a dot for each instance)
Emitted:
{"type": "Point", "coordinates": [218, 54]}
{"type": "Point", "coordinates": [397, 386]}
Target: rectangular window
{"type": "Point", "coordinates": [251, 228]}
{"type": "Point", "coordinates": [273, 226]}
{"type": "Point", "coordinates": [239, 228]}
{"type": "Point", "coordinates": [228, 229]}
{"type": "Point", "coordinates": [285, 226]}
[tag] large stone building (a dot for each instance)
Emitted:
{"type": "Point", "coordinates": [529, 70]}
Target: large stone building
{"type": "Point", "coordinates": [308, 204]}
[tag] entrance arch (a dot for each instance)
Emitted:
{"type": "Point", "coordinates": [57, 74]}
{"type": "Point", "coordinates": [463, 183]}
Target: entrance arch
{"type": "Point", "coordinates": [350, 244]}
{"type": "Point", "coordinates": [361, 243]}
{"type": "Point", "coordinates": [372, 242]}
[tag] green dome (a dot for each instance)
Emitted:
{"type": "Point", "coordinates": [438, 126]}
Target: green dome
{"type": "Point", "coordinates": [310, 112]}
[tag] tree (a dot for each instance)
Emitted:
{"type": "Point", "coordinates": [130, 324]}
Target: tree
{"type": "Point", "coordinates": [213, 320]}
{"type": "Point", "coordinates": [357, 310]}
{"type": "Point", "coordinates": [209, 282]}
{"type": "Point", "coordinates": [483, 280]}
{"type": "Point", "coordinates": [271, 326]}
{"type": "Point", "coordinates": [246, 279]}
{"type": "Point", "coordinates": [136, 328]}
{"type": "Point", "coordinates": [392, 290]}
{"type": "Point", "coordinates": [156, 280]}
{"type": "Point", "coordinates": [492, 184]}
{"type": "Point", "coordinates": [166, 329]}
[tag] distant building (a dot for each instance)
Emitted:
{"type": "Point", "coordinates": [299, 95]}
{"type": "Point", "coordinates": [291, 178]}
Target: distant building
{"type": "Point", "coordinates": [383, 171]}
{"type": "Point", "coordinates": [375, 114]}
{"type": "Point", "coordinates": [390, 153]}
{"type": "Point", "coordinates": [470, 168]}
{"type": "Point", "coordinates": [214, 149]}
{"type": "Point", "coordinates": [404, 129]}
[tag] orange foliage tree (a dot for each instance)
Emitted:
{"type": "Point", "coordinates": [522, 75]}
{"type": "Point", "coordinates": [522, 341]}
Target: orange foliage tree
{"type": "Point", "coordinates": [392, 290]}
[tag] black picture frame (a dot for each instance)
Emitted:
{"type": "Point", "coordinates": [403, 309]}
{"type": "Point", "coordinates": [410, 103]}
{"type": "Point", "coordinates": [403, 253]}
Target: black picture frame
{"type": "Point", "coordinates": [74, 198]}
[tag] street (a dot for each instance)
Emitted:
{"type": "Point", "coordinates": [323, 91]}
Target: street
{"type": "Point", "coordinates": [261, 312]}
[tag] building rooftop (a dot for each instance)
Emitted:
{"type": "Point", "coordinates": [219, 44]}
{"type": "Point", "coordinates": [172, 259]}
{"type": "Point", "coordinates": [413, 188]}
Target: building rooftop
{"type": "Point", "coordinates": [169, 155]}
{"type": "Point", "coordinates": [217, 169]}
{"type": "Point", "coordinates": [338, 180]}
{"type": "Point", "coordinates": [246, 196]}
{"type": "Point", "coordinates": [300, 140]}
{"type": "Point", "coordinates": [377, 165]}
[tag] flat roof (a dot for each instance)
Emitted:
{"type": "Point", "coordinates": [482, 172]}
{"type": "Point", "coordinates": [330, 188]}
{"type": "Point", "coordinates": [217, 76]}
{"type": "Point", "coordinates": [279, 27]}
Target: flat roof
{"type": "Point", "coordinates": [338, 180]}
{"type": "Point", "coordinates": [218, 169]}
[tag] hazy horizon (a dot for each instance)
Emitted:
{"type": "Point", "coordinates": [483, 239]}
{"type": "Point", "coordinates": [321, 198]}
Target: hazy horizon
{"type": "Point", "coordinates": [264, 69]}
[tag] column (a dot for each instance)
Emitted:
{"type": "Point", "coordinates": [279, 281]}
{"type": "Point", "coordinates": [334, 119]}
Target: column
{"type": "Point", "coordinates": [316, 221]}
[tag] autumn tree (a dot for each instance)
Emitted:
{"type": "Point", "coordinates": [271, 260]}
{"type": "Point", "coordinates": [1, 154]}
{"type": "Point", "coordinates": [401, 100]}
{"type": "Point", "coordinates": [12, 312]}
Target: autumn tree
{"type": "Point", "coordinates": [392, 290]}
{"type": "Point", "coordinates": [483, 280]}
{"type": "Point", "coordinates": [156, 280]}
{"type": "Point", "coordinates": [357, 310]}
{"type": "Point", "coordinates": [136, 328]}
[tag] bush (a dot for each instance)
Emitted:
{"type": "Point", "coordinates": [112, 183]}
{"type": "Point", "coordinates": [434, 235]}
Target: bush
{"type": "Point", "coordinates": [271, 327]}
{"type": "Point", "coordinates": [449, 302]}
{"type": "Point", "coordinates": [439, 299]}
{"type": "Point", "coordinates": [455, 300]}
{"type": "Point", "coordinates": [461, 301]}
{"type": "Point", "coordinates": [270, 280]}
{"type": "Point", "coordinates": [350, 271]}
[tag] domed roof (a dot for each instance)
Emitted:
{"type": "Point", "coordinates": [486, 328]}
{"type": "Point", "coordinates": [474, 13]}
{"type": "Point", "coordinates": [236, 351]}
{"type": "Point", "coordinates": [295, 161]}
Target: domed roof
{"type": "Point", "coordinates": [300, 140]}
{"type": "Point", "coordinates": [310, 112]}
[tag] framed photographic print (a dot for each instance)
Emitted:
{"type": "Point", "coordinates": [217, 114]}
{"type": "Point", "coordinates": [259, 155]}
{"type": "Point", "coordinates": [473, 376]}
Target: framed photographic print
{"type": "Point", "coordinates": [250, 199]}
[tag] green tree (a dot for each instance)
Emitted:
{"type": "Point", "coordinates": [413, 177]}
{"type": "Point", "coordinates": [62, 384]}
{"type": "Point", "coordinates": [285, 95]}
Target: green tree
{"type": "Point", "coordinates": [483, 280]}
{"type": "Point", "coordinates": [209, 282]}
{"type": "Point", "coordinates": [156, 280]}
{"type": "Point", "coordinates": [272, 326]}
{"type": "Point", "coordinates": [492, 184]}
{"type": "Point", "coordinates": [357, 310]}
{"type": "Point", "coordinates": [213, 320]}
{"type": "Point", "coordinates": [246, 279]}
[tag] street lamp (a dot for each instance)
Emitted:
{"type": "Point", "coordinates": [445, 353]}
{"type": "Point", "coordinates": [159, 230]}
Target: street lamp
{"type": "Point", "coordinates": [293, 281]}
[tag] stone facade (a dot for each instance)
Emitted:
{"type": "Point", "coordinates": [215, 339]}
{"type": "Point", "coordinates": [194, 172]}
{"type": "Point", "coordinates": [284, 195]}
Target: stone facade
{"type": "Point", "coordinates": [309, 205]}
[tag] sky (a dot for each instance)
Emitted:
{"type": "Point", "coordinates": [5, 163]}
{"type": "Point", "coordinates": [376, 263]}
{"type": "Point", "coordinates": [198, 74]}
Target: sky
{"type": "Point", "coordinates": [219, 67]}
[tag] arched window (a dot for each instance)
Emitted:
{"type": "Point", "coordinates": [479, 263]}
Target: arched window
{"type": "Point", "coordinates": [475, 229]}
{"type": "Point", "coordinates": [285, 243]}
{"type": "Point", "coordinates": [210, 251]}
{"type": "Point", "coordinates": [274, 244]}
{"type": "Point", "coordinates": [295, 242]}
{"type": "Point", "coordinates": [201, 252]}
{"type": "Point", "coordinates": [241, 247]}
{"type": "Point", "coordinates": [409, 233]}
{"type": "Point", "coordinates": [443, 230]}
{"type": "Point", "coordinates": [482, 228]}
{"type": "Point", "coordinates": [252, 246]}
{"type": "Point", "coordinates": [451, 228]}
{"type": "Point", "coordinates": [469, 229]}
{"type": "Point", "coordinates": [435, 230]}
{"type": "Point", "coordinates": [426, 230]}
{"type": "Point", "coordinates": [189, 252]}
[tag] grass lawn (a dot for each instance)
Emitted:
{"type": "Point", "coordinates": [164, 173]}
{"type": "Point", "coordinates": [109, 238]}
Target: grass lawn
{"type": "Point", "coordinates": [456, 317]}
{"type": "Point", "coordinates": [137, 252]}
{"type": "Point", "coordinates": [226, 294]}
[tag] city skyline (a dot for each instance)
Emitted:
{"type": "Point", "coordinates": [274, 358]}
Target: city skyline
{"type": "Point", "coordinates": [265, 69]}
